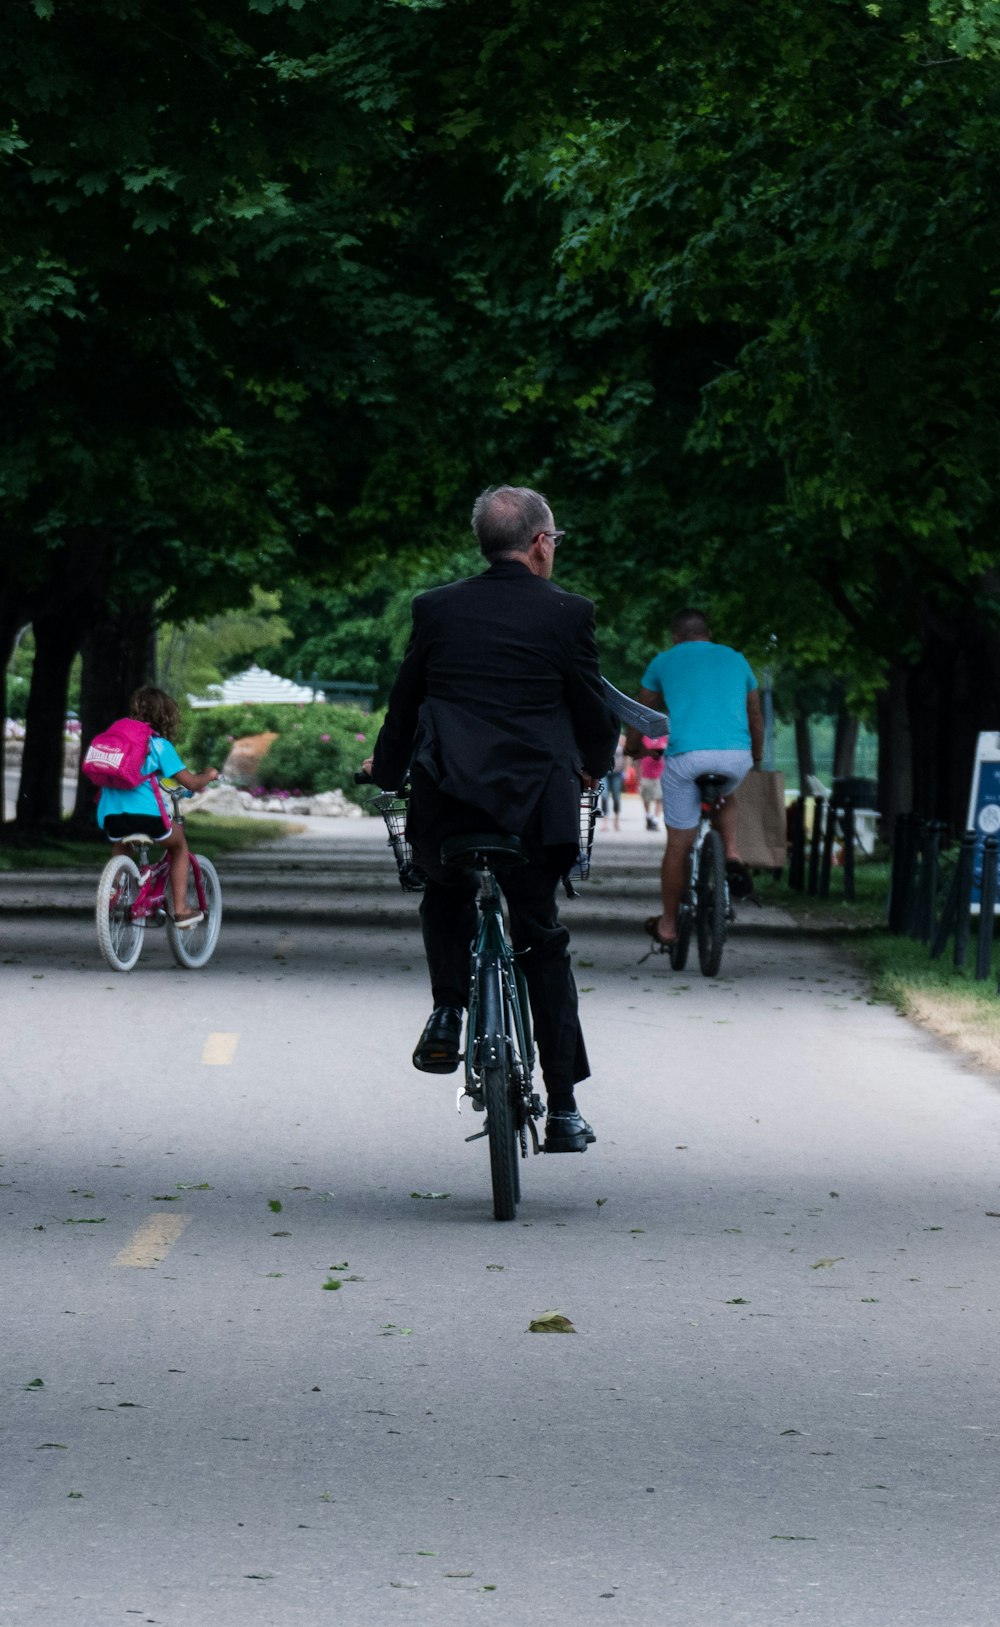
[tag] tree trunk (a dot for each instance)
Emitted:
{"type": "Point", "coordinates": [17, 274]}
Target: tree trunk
{"type": "Point", "coordinates": [116, 660]}
{"type": "Point", "coordinates": [11, 616]}
{"type": "Point", "coordinates": [39, 800]}
{"type": "Point", "coordinates": [804, 751]}
{"type": "Point", "coordinates": [845, 745]}
{"type": "Point", "coordinates": [953, 695]}
{"type": "Point", "coordinates": [895, 753]}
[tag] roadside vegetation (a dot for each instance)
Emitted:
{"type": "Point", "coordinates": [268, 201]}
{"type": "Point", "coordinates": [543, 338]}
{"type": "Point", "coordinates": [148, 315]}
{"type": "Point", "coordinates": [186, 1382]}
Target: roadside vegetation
{"type": "Point", "coordinates": [934, 993]}
{"type": "Point", "coordinates": [207, 834]}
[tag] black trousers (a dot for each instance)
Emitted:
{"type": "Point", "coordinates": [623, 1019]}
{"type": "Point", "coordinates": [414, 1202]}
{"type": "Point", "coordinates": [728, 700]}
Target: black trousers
{"type": "Point", "coordinates": [448, 917]}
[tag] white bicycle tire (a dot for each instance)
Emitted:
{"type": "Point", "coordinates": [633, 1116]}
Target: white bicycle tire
{"type": "Point", "coordinates": [193, 947]}
{"type": "Point", "coordinates": [120, 938]}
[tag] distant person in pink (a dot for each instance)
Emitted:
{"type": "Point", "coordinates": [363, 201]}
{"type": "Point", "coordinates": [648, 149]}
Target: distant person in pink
{"type": "Point", "coordinates": [651, 777]}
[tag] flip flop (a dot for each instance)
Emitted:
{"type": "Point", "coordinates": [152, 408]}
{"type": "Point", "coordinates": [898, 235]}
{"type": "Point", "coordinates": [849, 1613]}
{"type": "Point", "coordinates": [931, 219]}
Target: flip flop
{"type": "Point", "coordinates": [650, 926]}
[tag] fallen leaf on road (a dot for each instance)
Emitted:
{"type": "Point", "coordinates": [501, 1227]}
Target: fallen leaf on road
{"type": "Point", "coordinates": [819, 1265]}
{"type": "Point", "coordinates": [551, 1322]}
{"type": "Point", "coordinates": [430, 1194]}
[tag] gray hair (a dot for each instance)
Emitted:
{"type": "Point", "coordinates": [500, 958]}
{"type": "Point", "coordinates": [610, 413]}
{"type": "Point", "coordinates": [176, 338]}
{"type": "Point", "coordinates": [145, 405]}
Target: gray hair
{"type": "Point", "coordinates": [506, 518]}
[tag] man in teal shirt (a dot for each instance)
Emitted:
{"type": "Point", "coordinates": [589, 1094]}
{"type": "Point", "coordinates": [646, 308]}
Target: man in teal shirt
{"type": "Point", "coordinates": [716, 727]}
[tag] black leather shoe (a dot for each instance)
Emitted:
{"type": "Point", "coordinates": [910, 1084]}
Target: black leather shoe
{"type": "Point", "coordinates": [439, 1044]}
{"type": "Point", "coordinates": [567, 1132]}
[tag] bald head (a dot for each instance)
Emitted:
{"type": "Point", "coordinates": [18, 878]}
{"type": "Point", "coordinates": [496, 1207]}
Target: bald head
{"type": "Point", "coordinates": [689, 624]}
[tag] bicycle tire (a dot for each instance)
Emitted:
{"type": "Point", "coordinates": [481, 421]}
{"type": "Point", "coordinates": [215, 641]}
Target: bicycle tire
{"type": "Point", "coordinates": [502, 1136]}
{"type": "Point", "coordinates": [711, 904]}
{"type": "Point", "coordinates": [497, 1076]}
{"type": "Point", "coordinates": [193, 947]}
{"type": "Point", "coordinates": [682, 943]}
{"type": "Point", "coordinates": [120, 938]}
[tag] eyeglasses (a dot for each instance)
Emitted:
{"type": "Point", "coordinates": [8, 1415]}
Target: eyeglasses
{"type": "Point", "coordinates": [555, 537]}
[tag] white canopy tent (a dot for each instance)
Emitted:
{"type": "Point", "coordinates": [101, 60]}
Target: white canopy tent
{"type": "Point", "coordinates": [256, 687]}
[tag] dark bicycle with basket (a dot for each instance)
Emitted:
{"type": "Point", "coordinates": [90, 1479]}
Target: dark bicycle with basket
{"type": "Point", "coordinates": [499, 1050]}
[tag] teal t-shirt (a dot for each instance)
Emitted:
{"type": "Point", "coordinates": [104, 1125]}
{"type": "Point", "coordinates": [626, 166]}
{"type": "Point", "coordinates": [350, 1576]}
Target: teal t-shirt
{"type": "Point", "coordinates": [705, 688]}
{"type": "Point", "coordinates": [161, 760]}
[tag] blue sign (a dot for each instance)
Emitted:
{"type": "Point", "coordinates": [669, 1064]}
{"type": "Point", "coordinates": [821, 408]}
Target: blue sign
{"type": "Point", "coordinates": [984, 805]}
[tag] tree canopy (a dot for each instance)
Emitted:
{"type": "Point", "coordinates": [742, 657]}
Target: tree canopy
{"type": "Point", "coordinates": [285, 282]}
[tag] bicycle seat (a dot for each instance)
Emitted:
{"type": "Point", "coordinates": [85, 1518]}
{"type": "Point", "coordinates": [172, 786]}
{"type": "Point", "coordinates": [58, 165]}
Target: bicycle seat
{"type": "Point", "coordinates": [710, 785]}
{"type": "Point", "coordinates": [135, 840]}
{"type": "Point", "coordinates": [493, 845]}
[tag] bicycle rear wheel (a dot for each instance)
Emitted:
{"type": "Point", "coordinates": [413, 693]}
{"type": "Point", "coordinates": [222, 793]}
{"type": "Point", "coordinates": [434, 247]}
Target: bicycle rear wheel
{"type": "Point", "coordinates": [502, 1133]}
{"type": "Point", "coordinates": [711, 904]}
{"type": "Point", "coordinates": [682, 943]}
{"type": "Point", "coordinates": [193, 946]}
{"type": "Point", "coordinates": [120, 937]}
{"type": "Point", "coordinates": [499, 1084]}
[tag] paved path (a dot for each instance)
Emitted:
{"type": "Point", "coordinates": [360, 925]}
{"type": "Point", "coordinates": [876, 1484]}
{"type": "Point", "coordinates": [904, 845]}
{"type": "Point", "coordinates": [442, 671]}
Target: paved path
{"type": "Point", "coordinates": [780, 1404]}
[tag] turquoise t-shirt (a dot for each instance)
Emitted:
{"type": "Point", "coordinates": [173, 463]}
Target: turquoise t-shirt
{"type": "Point", "coordinates": [705, 687]}
{"type": "Point", "coordinates": [161, 760]}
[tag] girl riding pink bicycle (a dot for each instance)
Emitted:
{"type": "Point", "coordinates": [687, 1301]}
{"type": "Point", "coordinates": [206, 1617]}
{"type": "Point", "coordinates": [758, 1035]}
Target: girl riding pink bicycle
{"type": "Point", "coordinates": [141, 810]}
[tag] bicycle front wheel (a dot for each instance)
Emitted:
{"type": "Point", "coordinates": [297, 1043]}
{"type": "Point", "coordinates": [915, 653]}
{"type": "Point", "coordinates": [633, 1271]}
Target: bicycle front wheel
{"type": "Point", "coordinates": [193, 946]}
{"type": "Point", "coordinates": [711, 904]}
{"type": "Point", "coordinates": [119, 936]}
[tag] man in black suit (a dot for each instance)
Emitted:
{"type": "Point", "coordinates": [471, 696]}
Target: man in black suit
{"type": "Point", "coordinates": [498, 714]}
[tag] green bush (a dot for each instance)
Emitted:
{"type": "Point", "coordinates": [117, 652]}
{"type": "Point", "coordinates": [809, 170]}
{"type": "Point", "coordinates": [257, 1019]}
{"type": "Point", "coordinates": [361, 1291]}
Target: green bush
{"type": "Point", "coordinates": [318, 747]}
{"type": "Point", "coordinates": [208, 732]}
{"type": "Point", "coordinates": [318, 754]}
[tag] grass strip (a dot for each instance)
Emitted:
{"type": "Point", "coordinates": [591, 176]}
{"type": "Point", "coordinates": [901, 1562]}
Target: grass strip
{"type": "Point", "coordinates": [934, 993]}
{"type": "Point", "coordinates": [213, 836]}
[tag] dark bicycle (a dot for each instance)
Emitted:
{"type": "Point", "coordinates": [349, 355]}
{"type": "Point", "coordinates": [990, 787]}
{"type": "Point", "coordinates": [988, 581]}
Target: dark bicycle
{"type": "Point", "coordinates": [499, 1053]}
{"type": "Point", "coordinates": [705, 906]}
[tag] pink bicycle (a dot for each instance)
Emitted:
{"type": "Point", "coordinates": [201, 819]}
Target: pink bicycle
{"type": "Point", "coordinates": [132, 895]}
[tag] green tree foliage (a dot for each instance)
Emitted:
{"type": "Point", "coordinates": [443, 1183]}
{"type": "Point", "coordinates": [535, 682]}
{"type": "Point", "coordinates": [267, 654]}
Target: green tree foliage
{"type": "Point", "coordinates": [194, 655]}
{"type": "Point", "coordinates": [285, 284]}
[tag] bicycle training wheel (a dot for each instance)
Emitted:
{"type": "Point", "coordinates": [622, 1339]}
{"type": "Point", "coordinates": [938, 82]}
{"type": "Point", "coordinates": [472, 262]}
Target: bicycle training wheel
{"type": "Point", "coordinates": [193, 946]}
{"type": "Point", "coordinates": [119, 936]}
{"type": "Point", "coordinates": [711, 904]}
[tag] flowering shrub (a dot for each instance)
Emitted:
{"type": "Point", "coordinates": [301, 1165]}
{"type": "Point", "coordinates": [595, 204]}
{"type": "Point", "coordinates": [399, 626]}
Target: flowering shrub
{"type": "Point", "coordinates": [320, 751]}
{"type": "Point", "coordinates": [318, 747]}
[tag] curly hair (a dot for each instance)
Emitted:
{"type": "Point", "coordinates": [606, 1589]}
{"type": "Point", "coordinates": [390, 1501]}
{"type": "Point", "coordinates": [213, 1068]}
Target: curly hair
{"type": "Point", "coordinates": [158, 709]}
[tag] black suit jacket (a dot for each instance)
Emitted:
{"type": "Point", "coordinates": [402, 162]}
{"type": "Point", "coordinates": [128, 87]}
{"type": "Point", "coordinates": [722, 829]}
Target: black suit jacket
{"type": "Point", "coordinates": [499, 701]}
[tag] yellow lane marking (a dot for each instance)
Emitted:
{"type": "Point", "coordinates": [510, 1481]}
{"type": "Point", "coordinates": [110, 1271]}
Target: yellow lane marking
{"type": "Point", "coordinates": [153, 1241]}
{"type": "Point", "coordinates": [219, 1049]}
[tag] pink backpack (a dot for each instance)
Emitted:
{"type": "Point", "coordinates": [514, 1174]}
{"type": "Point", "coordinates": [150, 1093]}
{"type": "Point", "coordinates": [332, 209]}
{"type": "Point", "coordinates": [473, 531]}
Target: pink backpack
{"type": "Point", "coordinates": [116, 756]}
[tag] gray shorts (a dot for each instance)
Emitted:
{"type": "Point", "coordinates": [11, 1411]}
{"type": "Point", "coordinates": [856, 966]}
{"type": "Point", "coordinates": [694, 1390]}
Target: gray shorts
{"type": "Point", "coordinates": [681, 796]}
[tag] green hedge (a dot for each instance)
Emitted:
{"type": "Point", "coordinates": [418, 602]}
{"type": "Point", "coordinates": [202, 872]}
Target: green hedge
{"type": "Point", "coordinates": [318, 746]}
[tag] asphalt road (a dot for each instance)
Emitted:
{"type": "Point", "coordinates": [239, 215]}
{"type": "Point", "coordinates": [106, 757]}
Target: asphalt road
{"type": "Point", "coordinates": [780, 1403]}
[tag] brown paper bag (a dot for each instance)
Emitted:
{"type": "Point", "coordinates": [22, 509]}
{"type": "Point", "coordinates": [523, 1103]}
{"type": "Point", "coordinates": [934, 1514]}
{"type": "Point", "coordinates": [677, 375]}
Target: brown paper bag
{"type": "Point", "coordinates": [761, 832]}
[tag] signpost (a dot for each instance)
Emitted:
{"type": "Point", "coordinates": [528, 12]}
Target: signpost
{"type": "Point", "coordinates": [984, 805]}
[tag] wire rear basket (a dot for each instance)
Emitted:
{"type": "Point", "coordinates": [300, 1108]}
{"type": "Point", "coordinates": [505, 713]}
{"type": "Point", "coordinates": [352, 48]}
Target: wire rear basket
{"type": "Point", "coordinates": [392, 806]}
{"type": "Point", "coordinates": [580, 869]}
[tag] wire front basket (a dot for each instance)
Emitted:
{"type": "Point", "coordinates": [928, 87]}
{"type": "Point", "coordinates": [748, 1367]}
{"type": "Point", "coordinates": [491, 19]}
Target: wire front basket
{"type": "Point", "coordinates": [392, 806]}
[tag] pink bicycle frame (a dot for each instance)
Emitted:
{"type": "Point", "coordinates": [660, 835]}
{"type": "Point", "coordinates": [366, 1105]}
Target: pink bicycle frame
{"type": "Point", "coordinates": [152, 893]}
